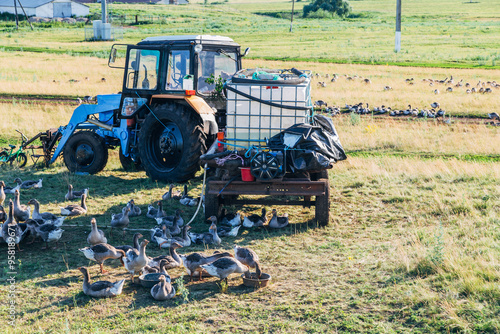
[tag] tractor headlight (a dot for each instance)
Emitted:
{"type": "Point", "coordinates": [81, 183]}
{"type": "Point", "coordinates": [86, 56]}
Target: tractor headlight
{"type": "Point", "coordinates": [198, 48]}
{"type": "Point", "coordinates": [131, 104]}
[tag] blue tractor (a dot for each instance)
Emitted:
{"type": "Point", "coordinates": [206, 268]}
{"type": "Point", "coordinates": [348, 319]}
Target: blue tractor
{"type": "Point", "coordinates": [166, 115]}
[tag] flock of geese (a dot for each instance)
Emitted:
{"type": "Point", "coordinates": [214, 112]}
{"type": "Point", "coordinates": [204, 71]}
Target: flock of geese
{"type": "Point", "coordinates": [170, 232]}
{"type": "Point", "coordinates": [449, 84]}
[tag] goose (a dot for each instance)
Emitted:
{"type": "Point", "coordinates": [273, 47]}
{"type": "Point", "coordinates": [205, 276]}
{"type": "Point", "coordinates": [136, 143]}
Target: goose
{"type": "Point", "coordinates": [2, 193]}
{"type": "Point", "coordinates": [248, 257]}
{"type": "Point", "coordinates": [193, 261]}
{"type": "Point", "coordinates": [135, 211]}
{"type": "Point", "coordinates": [494, 115]}
{"type": "Point", "coordinates": [29, 184]}
{"type": "Point", "coordinates": [436, 91]}
{"type": "Point", "coordinates": [96, 236]}
{"type": "Point", "coordinates": [11, 190]}
{"type": "Point", "coordinates": [227, 231]}
{"type": "Point", "coordinates": [321, 103]}
{"type": "Point", "coordinates": [11, 230]}
{"type": "Point", "coordinates": [71, 195]}
{"type": "Point", "coordinates": [120, 220]}
{"type": "Point", "coordinates": [101, 252]}
{"type": "Point", "coordinates": [440, 113]}
{"type": "Point", "coordinates": [170, 261]}
{"type": "Point", "coordinates": [230, 219]}
{"type": "Point", "coordinates": [386, 88]}
{"type": "Point", "coordinates": [135, 262]}
{"type": "Point", "coordinates": [255, 220]}
{"type": "Point", "coordinates": [135, 242]}
{"type": "Point", "coordinates": [155, 272]}
{"type": "Point", "coordinates": [32, 224]}
{"type": "Point", "coordinates": [21, 212]}
{"type": "Point", "coordinates": [163, 290]}
{"type": "Point", "coordinates": [161, 236]}
{"type": "Point", "coordinates": [190, 201]}
{"type": "Point", "coordinates": [100, 289]}
{"type": "Point", "coordinates": [207, 238]}
{"type": "Point", "coordinates": [224, 267]}
{"type": "Point", "coordinates": [48, 232]}
{"type": "Point", "coordinates": [175, 229]}
{"type": "Point", "coordinates": [278, 221]}
{"type": "Point", "coordinates": [435, 105]}
{"type": "Point", "coordinates": [74, 209]}
{"type": "Point", "coordinates": [449, 89]}
{"type": "Point", "coordinates": [45, 216]}
{"type": "Point", "coordinates": [185, 240]}
{"type": "Point", "coordinates": [169, 220]}
{"type": "Point", "coordinates": [156, 213]}
{"type": "Point", "coordinates": [171, 195]}
{"type": "Point", "coordinates": [3, 214]}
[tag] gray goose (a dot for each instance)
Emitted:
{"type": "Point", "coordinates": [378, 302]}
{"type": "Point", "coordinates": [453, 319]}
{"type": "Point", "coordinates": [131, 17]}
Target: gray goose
{"type": "Point", "coordinates": [101, 252]}
{"type": "Point", "coordinates": [48, 232]}
{"type": "Point", "coordinates": [74, 209]}
{"type": "Point", "coordinates": [192, 262]}
{"type": "Point", "coordinates": [21, 212]}
{"type": "Point", "coordinates": [224, 267]}
{"type": "Point", "coordinates": [248, 257]}
{"type": "Point", "coordinates": [29, 184]}
{"type": "Point", "coordinates": [100, 289]}
{"type": "Point", "coordinates": [71, 195]}
{"type": "Point", "coordinates": [96, 236]}
{"type": "Point", "coordinates": [163, 290]}
{"type": "Point", "coordinates": [45, 216]}
{"type": "Point", "coordinates": [12, 225]}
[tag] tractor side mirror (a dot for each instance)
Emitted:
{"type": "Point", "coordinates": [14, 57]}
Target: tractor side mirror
{"type": "Point", "coordinates": [112, 56]}
{"type": "Point", "coordinates": [247, 50]}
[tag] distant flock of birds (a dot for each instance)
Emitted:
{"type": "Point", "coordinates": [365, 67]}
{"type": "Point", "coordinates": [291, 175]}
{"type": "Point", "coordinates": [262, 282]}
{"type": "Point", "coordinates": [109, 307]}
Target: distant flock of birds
{"type": "Point", "coordinates": [484, 87]}
{"type": "Point", "coordinates": [20, 222]}
{"type": "Point", "coordinates": [381, 110]}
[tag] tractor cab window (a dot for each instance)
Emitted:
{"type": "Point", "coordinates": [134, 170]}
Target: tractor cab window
{"type": "Point", "coordinates": [142, 69]}
{"type": "Point", "coordinates": [217, 63]}
{"type": "Point", "coordinates": [178, 70]}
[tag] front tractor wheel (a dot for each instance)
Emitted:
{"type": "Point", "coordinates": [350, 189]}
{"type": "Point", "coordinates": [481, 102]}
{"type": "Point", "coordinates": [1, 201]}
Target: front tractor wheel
{"type": "Point", "coordinates": [171, 142]}
{"type": "Point", "coordinates": [85, 152]}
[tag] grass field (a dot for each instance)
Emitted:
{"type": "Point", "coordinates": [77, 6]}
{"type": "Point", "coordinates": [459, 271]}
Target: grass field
{"type": "Point", "coordinates": [447, 33]}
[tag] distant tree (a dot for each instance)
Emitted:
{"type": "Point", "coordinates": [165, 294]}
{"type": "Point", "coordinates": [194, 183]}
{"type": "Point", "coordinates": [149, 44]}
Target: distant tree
{"type": "Point", "coordinates": [339, 7]}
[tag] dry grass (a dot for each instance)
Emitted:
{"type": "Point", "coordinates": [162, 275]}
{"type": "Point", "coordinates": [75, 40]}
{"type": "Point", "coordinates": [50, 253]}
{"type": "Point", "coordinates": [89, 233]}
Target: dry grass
{"type": "Point", "coordinates": [38, 73]}
{"type": "Point", "coordinates": [411, 247]}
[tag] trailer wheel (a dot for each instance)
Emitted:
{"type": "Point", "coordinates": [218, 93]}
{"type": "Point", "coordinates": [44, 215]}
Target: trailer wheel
{"type": "Point", "coordinates": [85, 152]}
{"type": "Point", "coordinates": [212, 206]}
{"type": "Point", "coordinates": [322, 209]}
{"type": "Point", "coordinates": [128, 163]}
{"type": "Point", "coordinates": [171, 142]}
{"type": "Point", "coordinates": [19, 161]}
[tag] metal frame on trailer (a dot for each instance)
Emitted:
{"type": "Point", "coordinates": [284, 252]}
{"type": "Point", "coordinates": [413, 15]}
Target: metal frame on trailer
{"type": "Point", "coordinates": [219, 193]}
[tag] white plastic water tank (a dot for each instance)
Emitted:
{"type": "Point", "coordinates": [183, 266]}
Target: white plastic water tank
{"type": "Point", "coordinates": [97, 25]}
{"type": "Point", "coordinates": [106, 31]}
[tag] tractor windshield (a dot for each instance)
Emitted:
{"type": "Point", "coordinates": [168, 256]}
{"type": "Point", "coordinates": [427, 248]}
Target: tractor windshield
{"type": "Point", "coordinates": [212, 65]}
{"type": "Point", "coordinates": [142, 69]}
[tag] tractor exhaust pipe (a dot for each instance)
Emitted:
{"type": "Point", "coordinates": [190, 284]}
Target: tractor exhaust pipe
{"type": "Point", "coordinates": [100, 124]}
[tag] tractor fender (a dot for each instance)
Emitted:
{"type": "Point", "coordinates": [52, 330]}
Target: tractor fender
{"type": "Point", "coordinates": [199, 105]}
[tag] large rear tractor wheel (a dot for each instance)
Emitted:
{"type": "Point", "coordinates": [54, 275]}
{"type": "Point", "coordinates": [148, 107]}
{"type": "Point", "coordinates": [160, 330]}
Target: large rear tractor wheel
{"type": "Point", "coordinates": [85, 152]}
{"type": "Point", "coordinates": [129, 164]}
{"type": "Point", "coordinates": [171, 142]}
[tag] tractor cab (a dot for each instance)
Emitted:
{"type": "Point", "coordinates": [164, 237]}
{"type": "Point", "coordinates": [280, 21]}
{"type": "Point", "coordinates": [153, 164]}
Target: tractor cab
{"type": "Point", "coordinates": [176, 64]}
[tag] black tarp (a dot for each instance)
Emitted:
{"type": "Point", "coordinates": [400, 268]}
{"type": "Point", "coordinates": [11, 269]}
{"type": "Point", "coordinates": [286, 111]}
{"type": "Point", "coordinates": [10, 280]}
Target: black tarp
{"type": "Point", "coordinates": [317, 146]}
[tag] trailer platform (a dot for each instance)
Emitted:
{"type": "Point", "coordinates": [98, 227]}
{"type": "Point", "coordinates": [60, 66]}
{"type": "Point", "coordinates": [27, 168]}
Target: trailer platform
{"type": "Point", "coordinates": [221, 193]}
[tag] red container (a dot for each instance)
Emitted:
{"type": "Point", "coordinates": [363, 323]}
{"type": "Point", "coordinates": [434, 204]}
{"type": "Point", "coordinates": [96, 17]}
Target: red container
{"type": "Point", "coordinates": [246, 175]}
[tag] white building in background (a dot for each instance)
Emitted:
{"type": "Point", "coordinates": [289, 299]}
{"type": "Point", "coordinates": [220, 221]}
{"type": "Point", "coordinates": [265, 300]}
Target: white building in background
{"type": "Point", "coordinates": [45, 8]}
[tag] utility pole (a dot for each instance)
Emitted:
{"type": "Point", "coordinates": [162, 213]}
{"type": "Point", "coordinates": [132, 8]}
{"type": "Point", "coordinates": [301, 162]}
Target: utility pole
{"type": "Point", "coordinates": [398, 26]}
{"type": "Point", "coordinates": [104, 11]}
{"type": "Point", "coordinates": [15, 10]}
{"type": "Point", "coordinates": [291, 21]}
